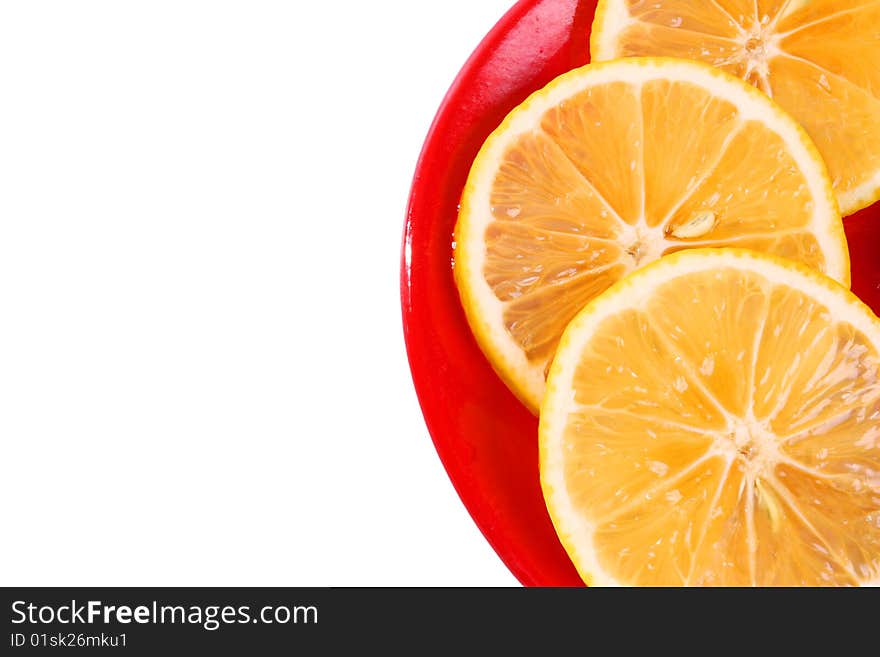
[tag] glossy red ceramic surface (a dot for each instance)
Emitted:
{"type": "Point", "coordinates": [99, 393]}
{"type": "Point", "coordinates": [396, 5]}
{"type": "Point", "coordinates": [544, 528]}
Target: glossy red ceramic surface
{"type": "Point", "coordinates": [486, 439]}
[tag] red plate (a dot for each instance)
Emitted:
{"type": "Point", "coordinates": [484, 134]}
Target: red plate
{"type": "Point", "coordinates": [486, 439]}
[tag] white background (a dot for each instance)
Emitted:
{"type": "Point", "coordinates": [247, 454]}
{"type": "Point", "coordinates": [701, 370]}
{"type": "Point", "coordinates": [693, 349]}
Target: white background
{"type": "Point", "coordinates": [202, 372]}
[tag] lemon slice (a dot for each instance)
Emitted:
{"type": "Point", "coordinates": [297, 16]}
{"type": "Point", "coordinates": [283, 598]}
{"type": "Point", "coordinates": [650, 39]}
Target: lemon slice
{"type": "Point", "coordinates": [714, 419]}
{"type": "Point", "coordinates": [819, 60]}
{"type": "Point", "coordinates": [612, 166]}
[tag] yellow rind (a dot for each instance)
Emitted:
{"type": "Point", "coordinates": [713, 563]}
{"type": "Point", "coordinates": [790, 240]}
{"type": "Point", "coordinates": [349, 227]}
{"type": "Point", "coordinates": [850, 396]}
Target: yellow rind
{"type": "Point", "coordinates": [598, 51]}
{"type": "Point", "coordinates": [862, 196]}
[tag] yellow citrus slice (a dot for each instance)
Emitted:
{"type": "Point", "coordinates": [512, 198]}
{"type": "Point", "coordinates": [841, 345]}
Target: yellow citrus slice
{"type": "Point", "coordinates": [820, 60]}
{"type": "Point", "coordinates": [608, 168]}
{"type": "Point", "coordinates": [714, 419]}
